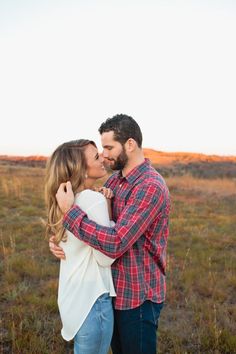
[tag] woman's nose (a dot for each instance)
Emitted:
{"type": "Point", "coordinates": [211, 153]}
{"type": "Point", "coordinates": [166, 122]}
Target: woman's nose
{"type": "Point", "coordinates": [101, 157]}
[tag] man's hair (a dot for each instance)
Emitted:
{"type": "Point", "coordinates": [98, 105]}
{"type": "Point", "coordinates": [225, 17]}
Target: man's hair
{"type": "Point", "coordinates": [124, 128]}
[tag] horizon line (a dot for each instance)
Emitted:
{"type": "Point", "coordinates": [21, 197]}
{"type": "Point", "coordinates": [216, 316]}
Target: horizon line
{"type": "Point", "coordinates": [144, 148]}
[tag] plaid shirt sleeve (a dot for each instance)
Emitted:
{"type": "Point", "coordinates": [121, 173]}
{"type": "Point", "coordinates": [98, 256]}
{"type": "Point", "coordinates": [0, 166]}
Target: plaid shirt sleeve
{"type": "Point", "coordinates": [145, 203]}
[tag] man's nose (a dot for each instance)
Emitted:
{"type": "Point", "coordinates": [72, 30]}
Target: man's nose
{"type": "Point", "coordinates": [105, 154]}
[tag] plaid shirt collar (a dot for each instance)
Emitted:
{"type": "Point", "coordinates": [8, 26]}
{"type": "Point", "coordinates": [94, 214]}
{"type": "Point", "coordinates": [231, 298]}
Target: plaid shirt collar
{"type": "Point", "coordinates": [135, 173]}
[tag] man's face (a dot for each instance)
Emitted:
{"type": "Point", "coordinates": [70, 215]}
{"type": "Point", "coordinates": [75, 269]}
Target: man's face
{"type": "Point", "coordinates": [113, 152]}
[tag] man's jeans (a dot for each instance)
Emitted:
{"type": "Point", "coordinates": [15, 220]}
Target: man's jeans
{"type": "Point", "coordinates": [94, 336]}
{"type": "Point", "coordinates": [135, 330]}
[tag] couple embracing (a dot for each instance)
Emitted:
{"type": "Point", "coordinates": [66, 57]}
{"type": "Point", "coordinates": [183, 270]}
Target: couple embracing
{"type": "Point", "coordinates": [112, 242]}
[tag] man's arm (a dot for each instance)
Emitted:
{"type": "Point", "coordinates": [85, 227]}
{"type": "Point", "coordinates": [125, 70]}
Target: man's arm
{"type": "Point", "coordinates": [65, 196]}
{"type": "Point", "coordinates": [144, 205]}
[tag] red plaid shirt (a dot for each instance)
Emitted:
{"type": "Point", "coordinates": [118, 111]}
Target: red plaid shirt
{"type": "Point", "coordinates": [138, 240]}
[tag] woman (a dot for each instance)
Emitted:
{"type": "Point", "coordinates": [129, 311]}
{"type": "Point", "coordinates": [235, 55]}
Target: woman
{"type": "Point", "coordinates": [85, 280]}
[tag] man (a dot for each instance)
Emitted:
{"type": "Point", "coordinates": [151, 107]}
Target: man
{"type": "Point", "coordinates": [138, 240]}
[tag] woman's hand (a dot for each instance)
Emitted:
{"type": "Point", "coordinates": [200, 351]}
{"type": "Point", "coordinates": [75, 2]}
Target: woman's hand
{"type": "Point", "coordinates": [107, 192]}
{"type": "Point", "coordinates": [65, 197]}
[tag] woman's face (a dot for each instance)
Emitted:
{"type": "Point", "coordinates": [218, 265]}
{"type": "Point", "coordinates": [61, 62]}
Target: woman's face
{"type": "Point", "coordinates": [95, 167]}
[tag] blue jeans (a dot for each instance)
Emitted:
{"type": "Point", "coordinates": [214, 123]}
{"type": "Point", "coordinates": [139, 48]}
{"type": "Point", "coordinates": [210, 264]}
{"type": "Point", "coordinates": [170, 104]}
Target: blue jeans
{"type": "Point", "coordinates": [135, 330]}
{"type": "Point", "coordinates": [94, 336]}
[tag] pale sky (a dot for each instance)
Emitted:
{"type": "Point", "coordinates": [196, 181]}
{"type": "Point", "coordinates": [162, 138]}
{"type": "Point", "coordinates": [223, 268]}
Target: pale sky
{"type": "Point", "coordinates": [67, 65]}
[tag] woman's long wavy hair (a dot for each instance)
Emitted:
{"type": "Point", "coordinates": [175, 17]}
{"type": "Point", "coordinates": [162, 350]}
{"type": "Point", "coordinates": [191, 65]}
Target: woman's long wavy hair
{"type": "Point", "coordinates": [67, 163]}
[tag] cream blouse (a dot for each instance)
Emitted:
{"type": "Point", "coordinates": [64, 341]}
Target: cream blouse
{"type": "Point", "coordinates": [85, 274]}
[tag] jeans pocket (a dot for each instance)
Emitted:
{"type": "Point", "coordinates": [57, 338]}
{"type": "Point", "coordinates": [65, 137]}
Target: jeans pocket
{"type": "Point", "coordinates": [105, 297]}
{"type": "Point", "coordinates": [156, 310]}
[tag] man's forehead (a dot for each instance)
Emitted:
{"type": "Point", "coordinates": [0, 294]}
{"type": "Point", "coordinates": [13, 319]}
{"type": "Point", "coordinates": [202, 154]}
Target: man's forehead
{"type": "Point", "coordinates": [108, 138]}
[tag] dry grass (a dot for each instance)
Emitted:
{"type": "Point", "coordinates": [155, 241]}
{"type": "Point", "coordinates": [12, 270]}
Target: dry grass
{"type": "Point", "coordinates": [201, 280]}
{"type": "Point", "coordinates": [200, 312]}
{"type": "Point", "coordinates": [219, 187]}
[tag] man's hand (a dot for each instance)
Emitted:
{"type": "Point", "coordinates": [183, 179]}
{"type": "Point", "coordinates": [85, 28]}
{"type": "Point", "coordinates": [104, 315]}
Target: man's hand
{"type": "Point", "coordinates": [65, 197]}
{"type": "Point", "coordinates": [56, 250]}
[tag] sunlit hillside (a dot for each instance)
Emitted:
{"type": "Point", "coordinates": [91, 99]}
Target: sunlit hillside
{"type": "Point", "coordinates": [23, 160]}
{"type": "Point", "coordinates": [158, 158]}
{"type": "Point", "coordinates": [167, 163]}
{"type": "Point", "coordinates": [166, 158]}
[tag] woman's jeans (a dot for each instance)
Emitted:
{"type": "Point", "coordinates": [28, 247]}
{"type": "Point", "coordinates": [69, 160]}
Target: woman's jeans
{"type": "Point", "coordinates": [94, 336]}
{"type": "Point", "coordinates": [135, 330]}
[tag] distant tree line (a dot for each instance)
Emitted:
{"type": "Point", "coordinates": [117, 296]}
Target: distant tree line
{"type": "Point", "coordinates": [208, 170]}
{"type": "Point", "coordinates": [203, 169]}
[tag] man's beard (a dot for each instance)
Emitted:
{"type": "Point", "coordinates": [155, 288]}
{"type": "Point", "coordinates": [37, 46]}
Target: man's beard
{"type": "Point", "coordinates": [120, 162]}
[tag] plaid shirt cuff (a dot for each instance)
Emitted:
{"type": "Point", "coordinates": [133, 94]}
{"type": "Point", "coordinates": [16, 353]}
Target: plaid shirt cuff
{"type": "Point", "coordinates": [72, 217]}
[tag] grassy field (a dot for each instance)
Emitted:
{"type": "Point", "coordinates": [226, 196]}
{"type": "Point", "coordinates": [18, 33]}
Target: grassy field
{"type": "Point", "coordinates": [200, 311]}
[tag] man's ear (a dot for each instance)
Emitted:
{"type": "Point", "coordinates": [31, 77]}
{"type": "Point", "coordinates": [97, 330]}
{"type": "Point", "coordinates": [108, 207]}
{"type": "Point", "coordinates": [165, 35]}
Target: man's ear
{"type": "Point", "coordinates": [130, 145]}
